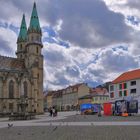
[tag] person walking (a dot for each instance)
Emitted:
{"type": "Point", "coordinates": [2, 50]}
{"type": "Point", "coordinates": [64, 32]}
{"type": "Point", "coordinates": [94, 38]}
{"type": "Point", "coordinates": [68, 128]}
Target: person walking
{"type": "Point", "coordinates": [50, 110]}
{"type": "Point", "coordinates": [53, 111]}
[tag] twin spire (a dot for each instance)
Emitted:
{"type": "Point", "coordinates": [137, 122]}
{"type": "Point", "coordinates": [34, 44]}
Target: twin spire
{"type": "Point", "coordinates": [33, 27]}
{"type": "Point", "coordinates": [23, 30]}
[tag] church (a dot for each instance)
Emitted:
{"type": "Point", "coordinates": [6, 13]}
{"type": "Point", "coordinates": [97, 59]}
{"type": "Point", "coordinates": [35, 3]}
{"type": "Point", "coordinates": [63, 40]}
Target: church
{"type": "Point", "coordinates": [22, 77]}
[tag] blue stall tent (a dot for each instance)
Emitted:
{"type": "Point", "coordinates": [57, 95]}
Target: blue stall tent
{"type": "Point", "coordinates": [89, 108]}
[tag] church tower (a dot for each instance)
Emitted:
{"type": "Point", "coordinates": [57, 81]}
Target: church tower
{"type": "Point", "coordinates": [34, 59]}
{"type": "Point", "coordinates": [22, 39]}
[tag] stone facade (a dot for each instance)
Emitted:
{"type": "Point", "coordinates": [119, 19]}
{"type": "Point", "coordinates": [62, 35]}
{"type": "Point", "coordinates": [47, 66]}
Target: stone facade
{"type": "Point", "coordinates": [23, 76]}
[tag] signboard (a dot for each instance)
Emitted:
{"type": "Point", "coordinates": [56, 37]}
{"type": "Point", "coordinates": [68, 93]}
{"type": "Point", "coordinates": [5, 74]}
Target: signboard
{"type": "Point", "coordinates": [122, 106]}
{"type": "Point", "coordinates": [132, 106]}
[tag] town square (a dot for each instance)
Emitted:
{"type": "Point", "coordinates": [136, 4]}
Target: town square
{"type": "Point", "coordinates": [69, 70]}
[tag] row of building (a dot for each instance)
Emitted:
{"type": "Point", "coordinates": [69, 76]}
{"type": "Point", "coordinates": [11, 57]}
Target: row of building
{"type": "Point", "coordinates": [126, 86]}
{"type": "Point", "coordinates": [71, 97]}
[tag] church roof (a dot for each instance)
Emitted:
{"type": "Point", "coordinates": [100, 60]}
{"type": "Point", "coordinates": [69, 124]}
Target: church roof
{"type": "Point", "coordinates": [34, 21]}
{"type": "Point", "coordinates": [23, 30]}
{"type": "Point", "coordinates": [8, 63]}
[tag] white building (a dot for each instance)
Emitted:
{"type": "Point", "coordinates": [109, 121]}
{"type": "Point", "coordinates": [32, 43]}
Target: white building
{"type": "Point", "coordinates": [127, 85]}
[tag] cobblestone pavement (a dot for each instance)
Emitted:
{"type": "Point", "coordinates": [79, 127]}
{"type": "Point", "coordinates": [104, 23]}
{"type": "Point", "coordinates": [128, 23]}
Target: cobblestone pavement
{"type": "Point", "coordinates": [95, 118]}
{"type": "Point", "coordinates": [70, 126]}
{"type": "Point", "coordinates": [71, 133]}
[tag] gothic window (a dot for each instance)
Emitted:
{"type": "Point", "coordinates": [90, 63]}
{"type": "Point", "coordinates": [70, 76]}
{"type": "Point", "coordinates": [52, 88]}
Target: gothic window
{"type": "Point", "coordinates": [1, 85]}
{"type": "Point", "coordinates": [11, 89]}
{"type": "Point", "coordinates": [37, 50]}
{"type": "Point", "coordinates": [37, 38]}
{"type": "Point", "coordinates": [11, 107]}
{"type": "Point", "coordinates": [25, 89]}
{"type": "Point", "coordinates": [32, 38]}
{"type": "Point", "coordinates": [20, 46]}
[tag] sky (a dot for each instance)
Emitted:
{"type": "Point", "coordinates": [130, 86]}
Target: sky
{"type": "Point", "coordinates": [90, 41]}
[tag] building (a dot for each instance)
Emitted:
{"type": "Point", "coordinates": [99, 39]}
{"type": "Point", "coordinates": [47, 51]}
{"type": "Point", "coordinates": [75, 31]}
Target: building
{"type": "Point", "coordinates": [98, 95]}
{"type": "Point", "coordinates": [71, 95]}
{"type": "Point", "coordinates": [22, 77]}
{"type": "Point", "coordinates": [48, 99]}
{"type": "Point", "coordinates": [126, 86]}
{"type": "Point", "coordinates": [85, 99]}
{"type": "Point", "coordinates": [67, 99]}
{"type": "Point", "coordinates": [57, 99]}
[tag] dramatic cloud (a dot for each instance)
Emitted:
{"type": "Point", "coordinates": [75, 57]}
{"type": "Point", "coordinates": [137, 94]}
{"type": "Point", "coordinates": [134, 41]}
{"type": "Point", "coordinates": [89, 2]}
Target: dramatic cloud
{"type": "Point", "coordinates": [89, 41]}
{"type": "Point", "coordinates": [117, 61]}
{"type": "Point", "coordinates": [7, 42]}
{"type": "Point", "coordinates": [88, 24]}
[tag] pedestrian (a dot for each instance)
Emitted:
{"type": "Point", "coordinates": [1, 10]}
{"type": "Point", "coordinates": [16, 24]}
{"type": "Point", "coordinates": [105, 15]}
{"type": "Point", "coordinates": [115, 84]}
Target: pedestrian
{"type": "Point", "coordinates": [53, 111]}
{"type": "Point", "coordinates": [50, 110]}
{"type": "Point", "coordinates": [99, 111]}
{"type": "Point", "coordinates": [113, 110]}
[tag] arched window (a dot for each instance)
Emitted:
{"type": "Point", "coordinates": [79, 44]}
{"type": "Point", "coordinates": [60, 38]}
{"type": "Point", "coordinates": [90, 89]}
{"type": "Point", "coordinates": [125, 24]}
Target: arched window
{"type": "Point", "coordinates": [1, 86]}
{"type": "Point", "coordinates": [37, 38]}
{"type": "Point", "coordinates": [32, 38]}
{"type": "Point", "coordinates": [25, 89]}
{"type": "Point", "coordinates": [36, 49]}
{"type": "Point", "coordinates": [11, 89]}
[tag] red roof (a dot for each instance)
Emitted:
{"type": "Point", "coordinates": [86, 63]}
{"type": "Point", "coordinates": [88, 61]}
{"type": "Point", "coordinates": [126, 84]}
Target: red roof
{"type": "Point", "coordinates": [98, 91]}
{"type": "Point", "coordinates": [127, 76]}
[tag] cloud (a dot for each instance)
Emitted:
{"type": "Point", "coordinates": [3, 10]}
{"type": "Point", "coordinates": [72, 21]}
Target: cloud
{"type": "Point", "coordinates": [117, 61]}
{"type": "Point", "coordinates": [7, 41]}
{"type": "Point", "coordinates": [133, 4]}
{"type": "Point", "coordinates": [88, 24]}
{"type": "Point", "coordinates": [80, 38]}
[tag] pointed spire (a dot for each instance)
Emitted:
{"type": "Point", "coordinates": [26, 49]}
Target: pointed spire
{"type": "Point", "coordinates": [34, 21]}
{"type": "Point", "coordinates": [23, 30]}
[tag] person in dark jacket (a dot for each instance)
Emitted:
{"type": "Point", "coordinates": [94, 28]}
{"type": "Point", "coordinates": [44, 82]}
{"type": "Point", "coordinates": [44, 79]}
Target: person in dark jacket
{"type": "Point", "coordinates": [50, 110]}
{"type": "Point", "coordinates": [55, 112]}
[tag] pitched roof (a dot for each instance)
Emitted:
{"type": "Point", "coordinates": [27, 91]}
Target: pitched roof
{"type": "Point", "coordinates": [127, 76]}
{"type": "Point", "coordinates": [98, 91]}
{"type": "Point", "coordinates": [8, 63]}
{"type": "Point", "coordinates": [76, 85]}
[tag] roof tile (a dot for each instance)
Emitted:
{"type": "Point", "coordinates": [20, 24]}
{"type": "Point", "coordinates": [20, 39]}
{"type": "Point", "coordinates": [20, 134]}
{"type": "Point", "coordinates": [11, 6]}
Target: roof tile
{"type": "Point", "coordinates": [127, 76]}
